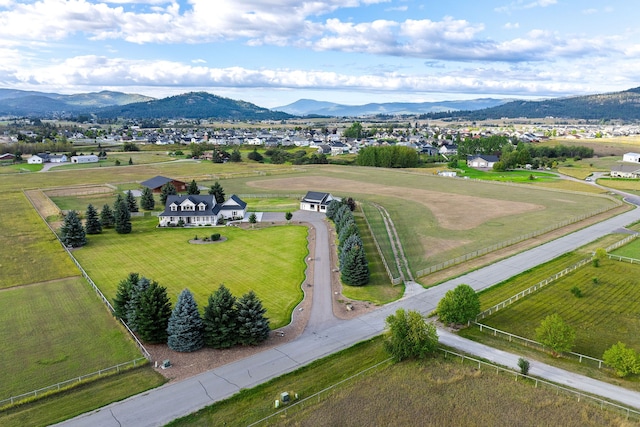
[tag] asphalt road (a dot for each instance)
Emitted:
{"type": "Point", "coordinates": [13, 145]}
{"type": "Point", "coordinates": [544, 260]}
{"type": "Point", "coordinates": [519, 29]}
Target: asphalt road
{"type": "Point", "coordinates": [161, 405]}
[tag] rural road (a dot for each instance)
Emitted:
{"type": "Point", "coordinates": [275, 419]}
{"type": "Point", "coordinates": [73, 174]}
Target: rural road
{"type": "Point", "coordinates": [161, 405]}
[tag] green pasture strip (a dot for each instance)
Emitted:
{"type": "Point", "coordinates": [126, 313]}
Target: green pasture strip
{"type": "Point", "coordinates": [379, 290]}
{"type": "Point", "coordinates": [80, 203]}
{"type": "Point", "coordinates": [630, 250]}
{"type": "Point", "coordinates": [275, 204]}
{"type": "Point", "coordinates": [606, 314]}
{"type": "Point", "coordinates": [521, 176]}
{"type": "Point", "coordinates": [386, 395]}
{"type": "Point", "coordinates": [380, 232]}
{"type": "Point", "coordinates": [81, 399]}
{"type": "Point", "coordinates": [624, 184]}
{"type": "Point", "coordinates": [57, 331]}
{"type": "Point", "coordinates": [30, 252]}
{"type": "Point", "coordinates": [268, 260]}
{"type": "Point", "coordinates": [19, 168]}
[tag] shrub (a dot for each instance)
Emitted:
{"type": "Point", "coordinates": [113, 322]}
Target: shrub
{"type": "Point", "coordinates": [215, 237]}
{"type": "Point", "coordinates": [524, 366]}
{"type": "Point", "coordinates": [576, 292]}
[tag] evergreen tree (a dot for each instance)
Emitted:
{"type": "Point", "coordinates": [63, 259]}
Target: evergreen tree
{"type": "Point", "coordinates": [130, 161]}
{"type": "Point", "coordinates": [192, 188]}
{"type": "Point", "coordinates": [349, 243]}
{"type": "Point", "coordinates": [346, 230]}
{"type": "Point", "coordinates": [119, 199]}
{"type": "Point", "coordinates": [123, 218]}
{"type": "Point", "coordinates": [72, 233]}
{"type": "Point", "coordinates": [220, 319]}
{"type": "Point", "coordinates": [332, 208]}
{"type": "Point", "coordinates": [253, 326]}
{"type": "Point", "coordinates": [147, 201]}
{"type": "Point", "coordinates": [235, 156]}
{"type": "Point", "coordinates": [167, 190]}
{"type": "Point", "coordinates": [107, 219]}
{"type": "Point", "coordinates": [92, 222]}
{"type": "Point", "coordinates": [153, 314]}
{"type": "Point", "coordinates": [132, 203]}
{"type": "Point", "coordinates": [132, 306]}
{"type": "Point", "coordinates": [123, 295]}
{"type": "Point", "coordinates": [217, 191]}
{"type": "Point", "coordinates": [185, 329]}
{"type": "Point", "coordinates": [355, 269]}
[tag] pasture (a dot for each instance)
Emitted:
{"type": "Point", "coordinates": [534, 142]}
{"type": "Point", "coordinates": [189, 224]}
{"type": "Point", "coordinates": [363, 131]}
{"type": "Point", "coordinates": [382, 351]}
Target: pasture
{"type": "Point", "coordinates": [436, 391]}
{"type": "Point", "coordinates": [628, 185]}
{"type": "Point", "coordinates": [630, 250]}
{"type": "Point", "coordinates": [604, 315]}
{"type": "Point", "coordinates": [268, 260]}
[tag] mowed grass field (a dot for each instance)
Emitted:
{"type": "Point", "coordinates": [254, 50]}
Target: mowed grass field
{"type": "Point", "coordinates": [434, 392]}
{"type": "Point", "coordinates": [605, 314]}
{"type": "Point", "coordinates": [56, 331]}
{"type": "Point", "coordinates": [269, 261]}
{"type": "Point", "coordinates": [630, 250]}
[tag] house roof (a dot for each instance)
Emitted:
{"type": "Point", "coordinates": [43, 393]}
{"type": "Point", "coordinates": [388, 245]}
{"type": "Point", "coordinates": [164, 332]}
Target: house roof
{"type": "Point", "coordinates": [626, 168]}
{"type": "Point", "coordinates": [157, 182]}
{"type": "Point", "coordinates": [485, 157]}
{"type": "Point", "coordinates": [211, 207]}
{"type": "Point", "coordinates": [318, 197]}
{"type": "Point", "coordinates": [234, 202]}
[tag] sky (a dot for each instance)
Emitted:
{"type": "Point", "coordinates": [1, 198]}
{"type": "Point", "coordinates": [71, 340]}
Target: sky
{"type": "Point", "coordinates": [274, 52]}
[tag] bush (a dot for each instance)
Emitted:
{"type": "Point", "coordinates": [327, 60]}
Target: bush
{"type": "Point", "coordinates": [215, 237]}
{"type": "Point", "coordinates": [576, 292]}
{"type": "Point", "coordinates": [524, 366]}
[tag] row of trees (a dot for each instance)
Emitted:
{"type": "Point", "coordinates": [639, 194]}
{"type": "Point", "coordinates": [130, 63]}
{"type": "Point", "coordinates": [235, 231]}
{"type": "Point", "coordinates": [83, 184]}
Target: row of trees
{"type": "Point", "coordinates": [145, 307]}
{"type": "Point", "coordinates": [354, 267]}
{"type": "Point", "coordinates": [388, 156]}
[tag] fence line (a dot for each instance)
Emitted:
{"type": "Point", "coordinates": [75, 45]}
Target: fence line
{"type": "Point", "coordinates": [74, 381]}
{"type": "Point", "coordinates": [97, 290]}
{"type": "Point", "coordinates": [464, 358]}
{"type": "Point", "coordinates": [504, 244]}
{"type": "Point", "coordinates": [531, 343]}
{"type": "Point", "coordinates": [622, 242]}
{"type": "Point", "coordinates": [624, 259]}
{"type": "Point", "coordinates": [531, 289]}
{"type": "Point", "coordinates": [394, 280]}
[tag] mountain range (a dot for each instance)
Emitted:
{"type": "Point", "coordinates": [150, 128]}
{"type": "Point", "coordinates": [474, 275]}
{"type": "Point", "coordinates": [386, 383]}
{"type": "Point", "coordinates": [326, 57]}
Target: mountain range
{"type": "Point", "coordinates": [624, 105]}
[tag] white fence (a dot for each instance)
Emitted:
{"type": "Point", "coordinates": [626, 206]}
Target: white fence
{"type": "Point", "coordinates": [394, 280]}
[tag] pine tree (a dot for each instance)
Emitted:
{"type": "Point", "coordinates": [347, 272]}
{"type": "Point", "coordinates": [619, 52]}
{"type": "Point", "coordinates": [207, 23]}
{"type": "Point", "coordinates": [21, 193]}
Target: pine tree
{"type": "Point", "coordinates": [147, 201]}
{"type": "Point", "coordinates": [347, 229]}
{"type": "Point", "coordinates": [92, 223]}
{"type": "Point", "coordinates": [123, 218]}
{"type": "Point", "coordinates": [349, 243]}
{"type": "Point", "coordinates": [119, 200]}
{"type": "Point", "coordinates": [192, 188]}
{"type": "Point", "coordinates": [167, 190]}
{"type": "Point", "coordinates": [355, 269]}
{"type": "Point", "coordinates": [132, 306]}
{"type": "Point", "coordinates": [253, 326]}
{"type": "Point", "coordinates": [123, 295]}
{"type": "Point", "coordinates": [217, 191]}
{"type": "Point", "coordinates": [220, 319]}
{"type": "Point", "coordinates": [153, 314]}
{"type": "Point", "coordinates": [332, 208]}
{"type": "Point", "coordinates": [132, 203]}
{"type": "Point", "coordinates": [185, 329]}
{"type": "Point", "coordinates": [72, 233]}
{"type": "Point", "coordinates": [107, 219]}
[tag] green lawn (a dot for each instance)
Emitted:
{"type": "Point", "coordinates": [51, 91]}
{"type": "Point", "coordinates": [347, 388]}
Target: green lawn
{"type": "Point", "coordinates": [56, 331]}
{"type": "Point", "coordinates": [268, 260]}
{"type": "Point", "coordinates": [80, 203]}
{"type": "Point", "coordinates": [607, 312]}
{"type": "Point", "coordinates": [521, 176]}
{"type": "Point", "coordinates": [30, 253]}
{"type": "Point", "coordinates": [275, 204]}
{"type": "Point", "coordinates": [19, 168]}
{"type": "Point", "coordinates": [630, 250]}
{"type": "Point", "coordinates": [380, 231]}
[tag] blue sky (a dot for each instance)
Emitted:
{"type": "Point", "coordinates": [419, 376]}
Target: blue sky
{"type": "Point", "coordinates": [274, 52]}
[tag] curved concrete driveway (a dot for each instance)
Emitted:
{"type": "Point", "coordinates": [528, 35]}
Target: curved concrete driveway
{"type": "Point", "coordinates": [161, 405]}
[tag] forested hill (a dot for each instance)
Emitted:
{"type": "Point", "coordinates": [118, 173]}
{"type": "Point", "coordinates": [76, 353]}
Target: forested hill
{"type": "Point", "coordinates": [618, 105]}
{"type": "Point", "coordinates": [193, 105]}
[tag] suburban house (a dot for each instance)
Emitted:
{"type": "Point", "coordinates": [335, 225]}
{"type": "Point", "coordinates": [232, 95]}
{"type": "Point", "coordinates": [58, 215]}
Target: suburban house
{"type": "Point", "coordinates": [195, 210]}
{"type": "Point", "coordinates": [316, 202]}
{"type": "Point", "coordinates": [631, 157]}
{"type": "Point", "coordinates": [7, 158]}
{"type": "Point", "coordinates": [625, 170]}
{"type": "Point", "coordinates": [156, 183]}
{"type": "Point", "coordinates": [448, 150]}
{"type": "Point", "coordinates": [91, 158]}
{"type": "Point", "coordinates": [481, 161]}
{"type": "Point", "coordinates": [40, 158]}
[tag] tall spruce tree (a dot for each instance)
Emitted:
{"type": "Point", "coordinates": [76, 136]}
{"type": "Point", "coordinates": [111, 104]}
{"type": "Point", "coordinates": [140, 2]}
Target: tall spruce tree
{"type": "Point", "coordinates": [167, 190]}
{"type": "Point", "coordinates": [332, 208]}
{"type": "Point", "coordinates": [185, 329]}
{"type": "Point", "coordinates": [132, 306]}
{"type": "Point", "coordinates": [217, 191]}
{"type": "Point", "coordinates": [72, 233]}
{"type": "Point", "coordinates": [349, 243]}
{"type": "Point", "coordinates": [154, 310]}
{"type": "Point", "coordinates": [147, 201]}
{"type": "Point", "coordinates": [123, 218]}
{"type": "Point", "coordinates": [220, 319]}
{"type": "Point", "coordinates": [107, 218]}
{"type": "Point", "coordinates": [355, 269]}
{"type": "Point", "coordinates": [132, 203]}
{"type": "Point", "coordinates": [119, 199]}
{"type": "Point", "coordinates": [253, 326]}
{"type": "Point", "coordinates": [192, 188]}
{"type": "Point", "coordinates": [92, 223]}
{"type": "Point", "coordinates": [123, 295]}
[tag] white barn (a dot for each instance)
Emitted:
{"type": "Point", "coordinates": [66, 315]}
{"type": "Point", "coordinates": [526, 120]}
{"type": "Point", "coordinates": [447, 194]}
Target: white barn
{"type": "Point", "coordinates": [631, 157]}
{"type": "Point", "coordinates": [91, 158]}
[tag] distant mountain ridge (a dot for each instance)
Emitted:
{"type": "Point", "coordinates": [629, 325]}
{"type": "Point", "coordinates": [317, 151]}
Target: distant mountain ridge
{"type": "Point", "coordinates": [306, 107]}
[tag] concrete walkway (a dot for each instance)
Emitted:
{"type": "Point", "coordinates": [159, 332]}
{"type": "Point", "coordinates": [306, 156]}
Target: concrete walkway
{"type": "Point", "coordinates": [161, 405]}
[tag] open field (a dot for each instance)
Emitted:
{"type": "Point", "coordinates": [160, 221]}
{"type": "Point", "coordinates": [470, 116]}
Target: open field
{"type": "Point", "coordinates": [604, 315]}
{"type": "Point", "coordinates": [274, 269]}
{"type": "Point", "coordinates": [434, 392]}
{"type": "Point", "coordinates": [137, 157]}
{"type": "Point", "coordinates": [583, 168]}
{"type": "Point", "coordinates": [520, 176]}
{"type": "Point", "coordinates": [602, 147]}
{"type": "Point", "coordinates": [628, 185]}
{"type": "Point", "coordinates": [30, 253]}
{"type": "Point", "coordinates": [19, 168]}
{"type": "Point", "coordinates": [276, 204]}
{"type": "Point", "coordinates": [55, 331]}
{"type": "Point", "coordinates": [379, 230]}
{"type": "Point", "coordinates": [630, 250]}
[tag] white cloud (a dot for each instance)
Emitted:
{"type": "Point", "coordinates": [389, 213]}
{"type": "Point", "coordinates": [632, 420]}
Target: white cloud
{"type": "Point", "coordinates": [511, 26]}
{"type": "Point", "coordinates": [521, 4]}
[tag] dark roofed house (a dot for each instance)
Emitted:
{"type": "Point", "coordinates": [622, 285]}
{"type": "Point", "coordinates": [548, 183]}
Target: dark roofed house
{"type": "Point", "coordinates": [316, 202]}
{"type": "Point", "coordinates": [481, 161]}
{"type": "Point", "coordinates": [195, 210]}
{"type": "Point", "coordinates": [156, 183]}
{"type": "Point", "coordinates": [625, 170]}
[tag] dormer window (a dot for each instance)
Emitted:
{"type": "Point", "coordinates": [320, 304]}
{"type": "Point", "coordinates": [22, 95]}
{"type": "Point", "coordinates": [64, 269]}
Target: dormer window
{"type": "Point", "coordinates": [174, 207]}
{"type": "Point", "coordinates": [202, 207]}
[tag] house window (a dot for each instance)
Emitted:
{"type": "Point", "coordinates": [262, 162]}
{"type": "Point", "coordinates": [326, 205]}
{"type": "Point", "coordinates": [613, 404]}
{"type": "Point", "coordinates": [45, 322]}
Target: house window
{"type": "Point", "coordinates": [174, 208]}
{"type": "Point", "coordinates": [234, 213]}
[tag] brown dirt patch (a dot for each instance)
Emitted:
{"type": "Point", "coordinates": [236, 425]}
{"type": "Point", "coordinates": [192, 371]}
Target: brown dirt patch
{"type": "Point", "coordinates": [451, 211]}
